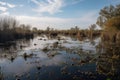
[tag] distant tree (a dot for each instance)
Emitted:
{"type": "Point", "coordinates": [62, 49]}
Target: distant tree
{"type": "Point", "coordinates": [13, 23]}
{"type": "Point", "coordinates": [22, 26]}
{"type": "Point", "coordinates": [34, 29]}
{"type": "Point", "coordinates": [76, 28]}
{"type": "Point", "coordinates": [7, 22]}
{"type": "Point", "coordinates": [28, 27]}
{"type": "Point", "coordinates": [91, 30]}
{"type": "Point", "coordinates": [107, 13]}
{"type": "Point", "coordinates": [92, 27]}
{"type": "Point", "coordinates": [48, 29]}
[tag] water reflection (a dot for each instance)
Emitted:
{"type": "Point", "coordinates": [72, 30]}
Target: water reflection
{"type": "Point", "coordinates": [64, 59]}
{"type": "Point", "coordinates": [15, 45]}
{"type": "Point", "coordinates": [109, 60]}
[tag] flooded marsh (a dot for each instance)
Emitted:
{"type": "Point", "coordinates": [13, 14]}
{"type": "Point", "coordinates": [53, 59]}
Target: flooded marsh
{"type": "Point", "coordinates": [44, 58]}
{"type": "Point", "coordinates": [59, 40]}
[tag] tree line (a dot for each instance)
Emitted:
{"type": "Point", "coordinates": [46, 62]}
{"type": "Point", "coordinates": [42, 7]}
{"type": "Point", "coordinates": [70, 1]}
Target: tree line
{"type": "Point", "coordinates": [108, 20]}
{"type": "Point", "coordinates": [11, 30]}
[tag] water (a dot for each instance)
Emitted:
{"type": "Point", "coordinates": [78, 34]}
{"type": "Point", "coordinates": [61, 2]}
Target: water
{"type": "Point", "coordinates": [43, 58]}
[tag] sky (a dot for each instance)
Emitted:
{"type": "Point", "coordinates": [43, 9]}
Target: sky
{"type": "Point", "coordinates": [58, 14]}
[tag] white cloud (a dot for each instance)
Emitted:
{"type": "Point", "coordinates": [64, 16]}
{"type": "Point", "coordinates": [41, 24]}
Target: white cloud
{"type": "Point", "coordinates": [50, 6]}
{"type": "Point", "coordinates": [40, 22]}
{"type": "Point", "coordinates": [73, 2]}
{"type": "Point", "coordinates": [2, 3]}
{"type": "Point", "coordinates": [7, 4]}
{"type": "Point", "coordinates": [4, 14]}
{"type": "Point", "coordinates": [59, 23]}
{"type": "Point", "coordinates": [10, 5]}
{"type": "Point", "coordinates": [3, 8]}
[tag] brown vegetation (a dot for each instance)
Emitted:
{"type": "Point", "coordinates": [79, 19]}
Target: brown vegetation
{"type": "Point", "coordinates": [109, 21]}
{"type": "Point", "coordinates": [10, 30]}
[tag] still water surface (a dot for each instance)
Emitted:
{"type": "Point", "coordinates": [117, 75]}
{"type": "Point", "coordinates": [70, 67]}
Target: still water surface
{"type": "Point", "coordinates": [43, 58]}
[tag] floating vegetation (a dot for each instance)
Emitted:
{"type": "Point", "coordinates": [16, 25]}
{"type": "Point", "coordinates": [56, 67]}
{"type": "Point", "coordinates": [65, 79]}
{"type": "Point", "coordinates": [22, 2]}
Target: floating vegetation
{"type": "Point", "coordinates": [55, 44]}
{"type": "Point", "coordinates": [38, 67]}
{"type": "Point", "coordinates": [52, 53]}
{"type": "Point", "coordinates": [45, 49]}
{"type": "Point", "coordinates": [12, 58]}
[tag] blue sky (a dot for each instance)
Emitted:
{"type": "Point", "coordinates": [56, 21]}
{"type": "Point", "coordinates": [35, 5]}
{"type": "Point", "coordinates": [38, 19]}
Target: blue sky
{"type": "Point", "coordinates": [58, 14]}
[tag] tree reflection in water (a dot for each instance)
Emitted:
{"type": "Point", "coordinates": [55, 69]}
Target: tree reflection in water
{"type": "Point", "coordinates": [108, 62]}
{"type": "Point", "coordinates": [1, 74]}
